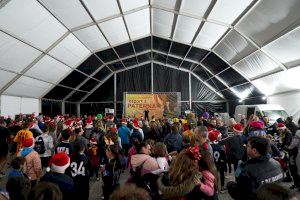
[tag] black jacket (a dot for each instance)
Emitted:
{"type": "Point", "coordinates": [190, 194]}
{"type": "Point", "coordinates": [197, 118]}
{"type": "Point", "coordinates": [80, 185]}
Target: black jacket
{"type": "Point", "coordinates": [64, 182]}
{"type": "Point", "coordinates": [256, 172]}
{"type": "Point", "coordinates": [236, 149]}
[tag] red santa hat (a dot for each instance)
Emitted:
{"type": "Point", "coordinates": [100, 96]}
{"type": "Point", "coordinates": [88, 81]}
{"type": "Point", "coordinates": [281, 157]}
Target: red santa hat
{"type": "Point", "coordinates": [238, 128]}
{"type": "Point", "coordinates": [47, 119]}
{"type": "Point", "coordinates": [59, 162]}
{"type": "Point", "coordinates": [89, 121]}
{"type": "Point", "coordinates": [214, 135]}
{"type": "Point", "coordinates": [28, 142]}
{"type": "Point", "coordinates": [115, 130]}
{"type": "Point", "coordinates": [124, 121]}
{"type": "Point", "coordinates": [93, 141]}
{"type": "Point", "coordinates": [136, 124]}
{"type": "Point", "coordinates": [69, 123]}
{"type": "Point", "coordinates": [281, 126]}
{"type": "Point", "coordinates": [257, 125]}
{"type": "Point", "coordinates": [110, 118]}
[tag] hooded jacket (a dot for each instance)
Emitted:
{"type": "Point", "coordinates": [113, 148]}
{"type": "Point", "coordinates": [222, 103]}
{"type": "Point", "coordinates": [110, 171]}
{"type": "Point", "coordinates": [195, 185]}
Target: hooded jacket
{"type": "Point", "coordinates": [149, 163]}
{"type": "Point", "coordinates": [185, 190]}
{"type": "Point", "coordinates": [33, 163]}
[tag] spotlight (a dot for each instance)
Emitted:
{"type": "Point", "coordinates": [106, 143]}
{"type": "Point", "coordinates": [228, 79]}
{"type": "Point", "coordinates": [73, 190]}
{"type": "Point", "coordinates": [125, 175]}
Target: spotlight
{"type": "Point", "coordinates": [264, 98]}
{"type": "Point", "coordinates": [241, 100]}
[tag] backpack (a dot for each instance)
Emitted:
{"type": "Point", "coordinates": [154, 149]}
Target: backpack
{"type": "Point", "coordinates": [39, 146]}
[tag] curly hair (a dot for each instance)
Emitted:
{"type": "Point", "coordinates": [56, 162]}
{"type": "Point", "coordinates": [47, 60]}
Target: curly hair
{"type": "Point", "coordinates": [182, 167]}
{"type": "Point", "coordinates": [130, 192]}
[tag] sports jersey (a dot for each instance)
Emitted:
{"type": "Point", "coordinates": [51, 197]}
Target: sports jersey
{"type": "Point", "coordinates": [64, 146]}
{"type": "Point", "coordinates": [219, 154]}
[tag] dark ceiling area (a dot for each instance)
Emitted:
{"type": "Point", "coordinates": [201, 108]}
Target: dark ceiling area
{"type": "Point", "coordinates": [210, 71]}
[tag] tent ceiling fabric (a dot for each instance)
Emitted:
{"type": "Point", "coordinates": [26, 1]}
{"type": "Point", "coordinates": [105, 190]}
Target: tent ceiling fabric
{"type": "Point", "coordinates": [228, 46]}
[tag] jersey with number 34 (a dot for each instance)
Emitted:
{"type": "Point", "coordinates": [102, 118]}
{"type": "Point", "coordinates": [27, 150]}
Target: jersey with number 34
{"type": "Point", "coordinates": [79, 166]}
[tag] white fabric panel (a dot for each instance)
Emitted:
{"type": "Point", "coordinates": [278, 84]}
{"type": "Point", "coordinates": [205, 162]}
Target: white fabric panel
{"type": "Point", "coordinates": [286, 48]}
{"type": "Point", "coordinates": [269, 18]}
{"type": "Point", "coordinates": [41, 70]}
{"type": "Point", "coordinates": [255, 65]}
{"type": "Point", "coordinates": [132, 4]}
{"type": "Point", "coordinates": [287, 101]}
{"type": "Point", "coordinates": [101, 9]}
{"type": "Point", "coordinates": [27, 87]}
{"type": "Point", "coordinates": [27, 19]}
{"type": "Point", "coordinates": [162, 22]}
{"type": "Point", "coordinates": [10, 106]}
{"type": "Point", "coordinates": [92, 38]}
{"type": "Point", "coordinates": [234, 47]}
{"type": "Point", "coordinates": [14, 54]}
{"type": "Point", "coordinates": [227, 11]}
{"type": "Point", "coordinates": [194, 7]}
{"type": "Point", "coordinates": [209, 35]}
{"type": "Point", "coordinates": [71, 13]}
{"type": "Point", "coordinates": [165, 3]}
{"type": "Point", "coordinates": [5, 77]}
{"type": "Point", "coordinates": [138, 23]}
{"type": "Point", "coordinates": [186, 28]}
{"type": "Point", "coordinates": [29, 105]}
{"type": "Point", "coordinates": [71, 51]}
{"type": "Point", "coordinates": [279, 82]}
{"type": "Point", "coordinates": [115, 31]}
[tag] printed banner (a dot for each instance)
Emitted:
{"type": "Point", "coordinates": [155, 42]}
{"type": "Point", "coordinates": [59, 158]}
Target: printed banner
{"type": "Point", "coordinates": [157, 105]}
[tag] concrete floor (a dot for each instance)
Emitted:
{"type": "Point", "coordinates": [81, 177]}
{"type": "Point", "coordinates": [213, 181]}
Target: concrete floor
{"type": "Point", "coordinates": [96, 186]}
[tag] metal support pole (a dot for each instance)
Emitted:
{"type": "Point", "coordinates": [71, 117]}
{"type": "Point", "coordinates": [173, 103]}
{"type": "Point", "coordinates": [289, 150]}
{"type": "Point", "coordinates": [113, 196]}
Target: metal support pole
{"type": "Point", "coordinates": [63, 108]}
{"type": "Point", "coordinates": [190, 90]}
{"type": "Point", "coordinates": [115, 93]}
{"type": "Point", "coordinates": [152, 76]}
{"type": "Point", "coordinates": [78, 109]}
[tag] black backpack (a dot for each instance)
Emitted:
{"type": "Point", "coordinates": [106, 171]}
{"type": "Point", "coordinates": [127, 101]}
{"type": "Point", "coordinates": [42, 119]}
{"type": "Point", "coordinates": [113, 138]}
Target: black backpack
{"type": "Point", "coordinates": [39, 146]}
{"type": "Point", "coordinates": [170, 143]}
{"type": "Point", "coordinates": [136, 134]}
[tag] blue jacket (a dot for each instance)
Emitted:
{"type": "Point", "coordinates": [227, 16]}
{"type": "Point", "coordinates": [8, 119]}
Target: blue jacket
{"type": "Point", "coordinates": [15, 173]}
{"type": "Point", "coordinates": [173, 141]}
{"type": "Point", "coordinates": [124, 134]}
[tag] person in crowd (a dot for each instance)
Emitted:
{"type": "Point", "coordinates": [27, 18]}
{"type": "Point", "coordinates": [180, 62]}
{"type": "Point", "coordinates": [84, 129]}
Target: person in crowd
{"type": "Point", "coordinates": [143, 159]}
{"type": "Point", "coordinates": [258, 170]}
{"type": "Point", "coordinates": [182, 180]}
{"type": "Point", "coordinates": [219, 155]}
{"type": "Point", "coordinates": [256, 128]}
{"type": "Point", "coordinates": [4, 138]}
{"type": "Point", "coordinates": [235, 143]}
{"type": "Point", "coordinates": [201, 137]}
{"type": "Point", "coordinates": [132, 151]}
{"type": "Point", "coordinates": [173, 140]}
{"type": "Point", "coordinates": [93, 154]}
{"type": "Point", "coordinates": [78, 134]}
{"type": "Point", "coordinates": [111, 171]}
{"type": "Point", "coordinates": [18, 188]}
{"type": "Point", "coordinates": [294, 154]}
{"type": "Point", "coordinates": [285, 135]}
{"type": "Point", "coordinates": [209, 185]}
{"type": "Point", "coordinates": [44, 145]}
{"type": "Point", "coordinates": [137, 132]}
{"type": "Point", "coordinates": [124, 134]}
{"type": "Point", "coordinates": [46, 191]}
{"type": "Point", "coordinates": [274, 191]}
{"type": "Point", "coordinates": [146, 114]}
{"type": "Point", "coordinates": [130, 192]}
{"type": "Point", "coordinates": [58, 164]}
{"type": "Point", "coordinates": [65, 145]}
{"type": "Point", "coordinates": [33, 161]}
{"type": "Point", "coordinates": [17, 165]}
{"type": "Point", "coordinates": [145, 127]}
{"type": "Point", "coordinates": [154, 133]}
{"type": "Point", "coordinates": [80, 171]}
{"type": "Point", "coordinates": [166, 128]}
{"type": "Point", "coordinates": [88, 129]}
{"type": "Point", "coordinates": [22, 135]}
{"type": "Point", "coordinates": [188, 132]}
{"type": "Point", "coordinates": [222, 128]}
{"type": "Point", "coordinates": [231, 123]}
{"type": "Point", "coordinates": [161, 154]}
{"type": "Point", "coordinates": [291, 125]}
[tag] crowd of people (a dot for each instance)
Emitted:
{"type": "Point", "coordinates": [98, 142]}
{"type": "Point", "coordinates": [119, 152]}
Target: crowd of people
{"type": "Point", "coordinates": [184, 157]}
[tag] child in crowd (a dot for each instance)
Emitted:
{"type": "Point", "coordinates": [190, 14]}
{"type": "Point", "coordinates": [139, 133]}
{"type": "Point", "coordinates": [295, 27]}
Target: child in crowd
{"type": "Point", "coordinates": [111, 171]}
{"type": "Point", "coordinates": [161, 154]}
{"type": "Point", "coordinates": [17, 164]}
{"type": "Point", "coordinates": [94, 158]}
